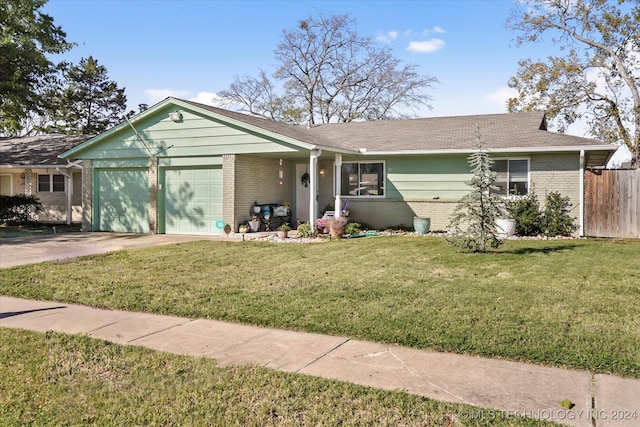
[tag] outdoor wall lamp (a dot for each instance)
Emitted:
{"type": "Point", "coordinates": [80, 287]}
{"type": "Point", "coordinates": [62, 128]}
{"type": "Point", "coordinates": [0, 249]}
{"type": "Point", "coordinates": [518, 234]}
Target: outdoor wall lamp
{"type": "Point", "coordinates": [322, 172]}
{"type": "Point", "coordinates": [175, 116]}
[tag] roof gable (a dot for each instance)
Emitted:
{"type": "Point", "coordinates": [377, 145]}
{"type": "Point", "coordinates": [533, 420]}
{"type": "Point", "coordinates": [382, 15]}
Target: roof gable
{"type": "Point", "coordinates": [150, 123]}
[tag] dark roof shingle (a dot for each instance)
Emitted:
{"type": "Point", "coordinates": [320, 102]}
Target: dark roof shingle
{"type": "Point", "coordinates": [41, 150]}
{"type": "Point", "coordinates": [500, 131]}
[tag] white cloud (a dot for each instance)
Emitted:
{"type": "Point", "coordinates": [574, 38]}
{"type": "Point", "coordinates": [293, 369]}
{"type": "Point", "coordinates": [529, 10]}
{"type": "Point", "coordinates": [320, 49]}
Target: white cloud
{"type": "Point", "coordinates": [427, 46]}
{"type": "Point", "coordinates": [436, 29]}
{"type": "Point", "coordinates": [156, 95]}
{"type": "Point", "coordinates": [387, 37]}
{"type": "Point", "coordinates": [501, 95]}
{"type": "Point", "coordinates": [208, 98]}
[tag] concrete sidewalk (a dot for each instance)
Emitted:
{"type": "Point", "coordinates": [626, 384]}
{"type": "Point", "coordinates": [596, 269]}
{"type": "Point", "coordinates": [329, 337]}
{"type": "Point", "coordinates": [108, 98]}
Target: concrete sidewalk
{"type": "Point", "coordinates": [517, 388]}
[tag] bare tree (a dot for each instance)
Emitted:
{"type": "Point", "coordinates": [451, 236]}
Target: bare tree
{"type": "Point", "coordinates": [328, 73]}
{"type": "Point", "coordinates": [257, 96]}
{"type": "Point", "coordinates": [597, 76]}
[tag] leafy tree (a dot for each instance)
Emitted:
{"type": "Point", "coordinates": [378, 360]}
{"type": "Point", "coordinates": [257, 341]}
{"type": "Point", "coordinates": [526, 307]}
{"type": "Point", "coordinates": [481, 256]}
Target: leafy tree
{"type": "Point", "coordinates": [473, 222]}
{"type": "Point", "coordinates": [329, 73]}
{"type": "Point", "coordinates": [596, 76]}
{"type": "Point", "coordinates": [27, 36]}
{"type": "Point", "coordinates": [90, 103]}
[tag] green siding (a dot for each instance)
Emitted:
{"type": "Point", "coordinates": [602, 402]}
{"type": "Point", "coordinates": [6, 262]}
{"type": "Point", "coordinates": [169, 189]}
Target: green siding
{"type": "Point", "coordinates": [122, 200]}
{"type": "Point", "coordinates": [195, 135]}
{"type": "Point", "coordinates": [427, 177]}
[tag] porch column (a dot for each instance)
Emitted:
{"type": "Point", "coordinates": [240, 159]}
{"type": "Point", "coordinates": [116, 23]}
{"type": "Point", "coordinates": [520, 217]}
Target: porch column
{"type": "Point", "coordinates": [68, 177]}
{"type": "Point", "coordinates": [313, 187]}
{"type": "Point", "coordinates": [337, 179]}
{"type": "Point", "coordinates": [28, 187]}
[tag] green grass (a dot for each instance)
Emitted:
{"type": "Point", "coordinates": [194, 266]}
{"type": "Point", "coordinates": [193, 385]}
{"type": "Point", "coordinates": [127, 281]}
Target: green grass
{"type": "Point", "coordinates": [57, 379]}
{"type": "Point", "coordinates": [569, 303]}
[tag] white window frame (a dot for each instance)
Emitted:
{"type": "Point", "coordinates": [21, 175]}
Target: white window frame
{"type": "Point", "coordinates": [51, 190]}
{"type": "Point", "coordinates": [508, 159]}
{"type": "Point", "coordinates": [382, 186]}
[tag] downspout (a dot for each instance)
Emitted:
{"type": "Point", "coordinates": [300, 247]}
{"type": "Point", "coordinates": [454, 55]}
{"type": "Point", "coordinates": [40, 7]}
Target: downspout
{"type": "Point", "coordinates": [582, 177]}
{"type": "Point", "coordinates": [337, 179]}
{"type": "Point", "coordinates": [313, 187]}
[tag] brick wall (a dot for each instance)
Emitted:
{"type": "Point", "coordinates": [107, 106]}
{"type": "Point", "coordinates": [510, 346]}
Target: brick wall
{"type": "Point", "coordinates": [153, 195]}
{"type": "Point", "coordinates": [384, 213]}
{"type": "Point", "coordinates": [256, 179]}
{"type": "Point", "coordinates": [559, 172]}
{"type": "Point", "coordinates": [87, 201]}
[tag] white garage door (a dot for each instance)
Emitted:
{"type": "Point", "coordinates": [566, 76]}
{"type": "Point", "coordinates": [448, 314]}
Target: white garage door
{"type": "Point", "coordinates": [123, 200]}
{"type": "Point", "coordinates": [192, 200]}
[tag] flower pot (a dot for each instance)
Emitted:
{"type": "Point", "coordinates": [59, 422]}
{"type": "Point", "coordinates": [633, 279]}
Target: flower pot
{"type": "Point", "coordinates": [254, 225]}
{"type": "Point", "coordinates": [505, 227]}
{"type": "Point", "coordinates": [282, 235]}
{"type": "Point", "coordinates": [421, 225]}
{"type": "Point", "coordinates": [243, 229]}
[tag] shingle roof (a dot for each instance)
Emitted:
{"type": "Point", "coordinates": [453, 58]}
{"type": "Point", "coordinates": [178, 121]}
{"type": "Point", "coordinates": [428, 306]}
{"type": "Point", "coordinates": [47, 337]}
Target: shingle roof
{"type": "Point", "coordinates": [42, 150]}
{"type": "Point", "coordinates": [500, 131]}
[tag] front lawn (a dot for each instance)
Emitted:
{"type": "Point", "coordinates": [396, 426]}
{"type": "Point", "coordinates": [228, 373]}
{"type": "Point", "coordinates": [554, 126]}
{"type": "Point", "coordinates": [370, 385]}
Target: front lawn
{"type": "Point", "coordinates": [570, 303]}
{"type": "Point", "coordinates": [57, 379]}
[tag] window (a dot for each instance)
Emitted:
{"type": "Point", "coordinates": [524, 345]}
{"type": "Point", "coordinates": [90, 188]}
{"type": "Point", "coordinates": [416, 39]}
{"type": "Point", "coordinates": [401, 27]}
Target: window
{"type": "Point", "coordinates": [362, 179]}
{"type": "Point", "coordinates": [5, 185]}
{"type": "Point", "coordinates": [50, 183]}
{"type": "Point", "coordinates": [512, 176]}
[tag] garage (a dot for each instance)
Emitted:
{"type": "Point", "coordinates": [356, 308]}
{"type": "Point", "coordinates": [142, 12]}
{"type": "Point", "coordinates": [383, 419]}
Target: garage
{"type": "Point", "coordinates": [123, 200]}
{"type": "Point", "coordinates": [192, 200]}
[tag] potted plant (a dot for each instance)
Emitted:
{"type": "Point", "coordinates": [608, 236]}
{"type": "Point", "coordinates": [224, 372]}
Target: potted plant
{"type": "Point", "coordinates": [321, 224]}
{"type": "Point", "coordinates": [283, 231]}
{"type": "Point", "coordinates": [243, 228]}
{"type": "Point", "coordinates": [254, 223]}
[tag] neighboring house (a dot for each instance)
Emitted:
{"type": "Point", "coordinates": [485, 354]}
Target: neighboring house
{"type": "Point", "coordinates": [182, 167]}
{"type": "Point", "coordinates": [32, 166]}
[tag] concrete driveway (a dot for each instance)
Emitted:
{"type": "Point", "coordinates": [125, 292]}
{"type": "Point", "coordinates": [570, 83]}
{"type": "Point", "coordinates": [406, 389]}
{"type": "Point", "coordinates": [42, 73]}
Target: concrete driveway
{"type": "Point", "coordinates": [31, 249]}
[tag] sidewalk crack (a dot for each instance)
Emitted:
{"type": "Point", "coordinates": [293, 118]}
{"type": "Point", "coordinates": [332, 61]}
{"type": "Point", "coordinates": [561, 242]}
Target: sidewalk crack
{"type": "Point", "coordinates": [158, 331]}
{"type": "Point", "coordinates": [415, 374]}
{"type": "Point", "coordinates": [323, 355]}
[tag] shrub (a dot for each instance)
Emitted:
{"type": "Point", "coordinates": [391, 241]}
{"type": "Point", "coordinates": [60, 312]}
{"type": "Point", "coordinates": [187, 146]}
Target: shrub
{"type": "Point", "coordinates": [352, 228]}
{"type": "Point", "coordinates": [526, 212]}
{"type": "Point", "coordinates": [304, 230]}
{"type": "Point", "coordinates": [337, 225]}
{"type": "Point", "coordinates": [19, 209]}
{"type": "Point", "coordinates": [555, 219]}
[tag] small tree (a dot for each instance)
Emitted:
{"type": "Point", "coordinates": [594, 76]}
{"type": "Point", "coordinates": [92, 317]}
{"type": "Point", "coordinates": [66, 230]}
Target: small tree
{"type": "Point", "coordinates": [478, 210]}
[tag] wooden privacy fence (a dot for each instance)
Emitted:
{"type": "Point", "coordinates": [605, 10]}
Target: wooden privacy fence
{"type": "Point", "coordinates": [612, 203]}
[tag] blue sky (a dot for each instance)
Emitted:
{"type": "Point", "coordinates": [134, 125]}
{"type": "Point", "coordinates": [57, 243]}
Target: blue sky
{"type": "Point", "coordinates": [193, 49]}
